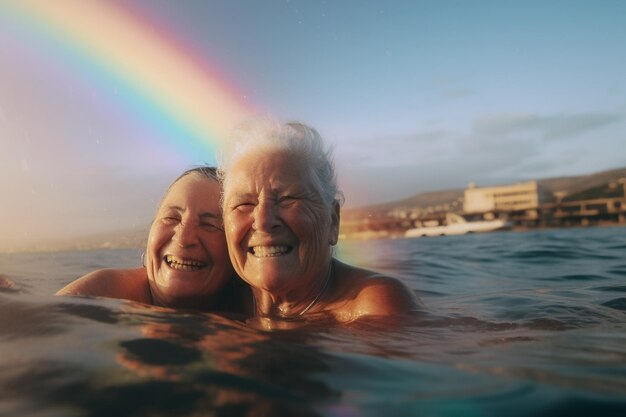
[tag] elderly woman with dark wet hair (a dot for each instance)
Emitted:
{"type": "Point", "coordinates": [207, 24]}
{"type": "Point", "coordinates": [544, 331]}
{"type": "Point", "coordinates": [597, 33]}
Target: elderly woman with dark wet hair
{"type": "Point", "coordinates": [186, 262]}
{"type": "Point", "coordinates": [281, 212]}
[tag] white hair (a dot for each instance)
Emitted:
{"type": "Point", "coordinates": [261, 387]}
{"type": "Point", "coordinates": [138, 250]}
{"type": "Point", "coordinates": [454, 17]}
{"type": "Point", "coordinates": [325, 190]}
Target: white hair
{"type": "Point", "coordinates": [295, 138]}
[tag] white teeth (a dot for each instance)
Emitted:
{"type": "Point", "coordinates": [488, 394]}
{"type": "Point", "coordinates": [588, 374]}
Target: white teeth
{"type": "Point", "coordinates": [268, 251]}
{"type": "Point", "coordinates": [183, 264]}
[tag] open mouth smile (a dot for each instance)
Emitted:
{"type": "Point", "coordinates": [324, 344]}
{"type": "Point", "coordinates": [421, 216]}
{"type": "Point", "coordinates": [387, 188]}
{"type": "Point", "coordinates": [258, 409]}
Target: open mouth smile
{"type": "Point", "coordinates": [269, 251]}
{"type": "Point", "coordinates": [186, 265]}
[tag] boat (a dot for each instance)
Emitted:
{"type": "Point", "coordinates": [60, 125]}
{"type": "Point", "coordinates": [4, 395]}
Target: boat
{"type": "Point", "coordinates": [456, 224]}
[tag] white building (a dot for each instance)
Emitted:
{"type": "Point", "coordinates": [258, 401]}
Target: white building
{"type": "Point", "coordinates": [514, 197]}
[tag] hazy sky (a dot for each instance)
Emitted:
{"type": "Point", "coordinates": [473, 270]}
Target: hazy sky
{"type": "Point", "coordinates": [414, 95]}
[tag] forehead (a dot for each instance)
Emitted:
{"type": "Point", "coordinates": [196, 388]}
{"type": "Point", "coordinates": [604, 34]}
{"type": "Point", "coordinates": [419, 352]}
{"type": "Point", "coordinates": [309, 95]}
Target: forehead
{"type": "Point", "coordinates": [274, 169]}
{"type": "Point", "coordinates": [193, 191]}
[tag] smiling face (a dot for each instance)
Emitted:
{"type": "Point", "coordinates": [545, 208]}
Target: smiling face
{"type": "Point", "coordinates": [186, 257]}
{"type": "Point", "coordinates": [278, 228]}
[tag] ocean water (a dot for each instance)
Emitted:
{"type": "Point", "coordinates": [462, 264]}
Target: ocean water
{"type": "Point", "coordinates": [514, 323]}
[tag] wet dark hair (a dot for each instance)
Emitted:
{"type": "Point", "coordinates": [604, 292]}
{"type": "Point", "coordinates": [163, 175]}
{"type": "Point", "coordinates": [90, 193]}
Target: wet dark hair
{"type": "Point", "coordinates": [205, 170]}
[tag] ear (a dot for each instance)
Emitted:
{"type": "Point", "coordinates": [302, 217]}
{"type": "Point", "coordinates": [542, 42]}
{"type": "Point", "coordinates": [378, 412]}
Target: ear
{"type": "Point", "coordinates": [335, 216]}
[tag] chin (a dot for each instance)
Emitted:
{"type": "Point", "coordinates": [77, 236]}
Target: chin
{"type": "Point", "coordinates": [187, 286]}
{"type": "Point", "coordinates": [272, 283]}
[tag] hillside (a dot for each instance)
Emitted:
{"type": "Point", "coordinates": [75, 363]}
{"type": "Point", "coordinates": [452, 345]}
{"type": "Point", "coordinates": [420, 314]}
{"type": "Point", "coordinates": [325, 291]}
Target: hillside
{"type": "Point", "coordinates": [569, 185]}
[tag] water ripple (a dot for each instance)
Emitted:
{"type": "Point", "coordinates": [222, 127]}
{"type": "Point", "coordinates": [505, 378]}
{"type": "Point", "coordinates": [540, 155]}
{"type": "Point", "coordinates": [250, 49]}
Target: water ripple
{"type": "Point", "coordinates": [616, 303]}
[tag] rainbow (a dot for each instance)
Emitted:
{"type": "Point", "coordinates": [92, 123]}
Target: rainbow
{"type": "Point", "coordinates": [168, 85]}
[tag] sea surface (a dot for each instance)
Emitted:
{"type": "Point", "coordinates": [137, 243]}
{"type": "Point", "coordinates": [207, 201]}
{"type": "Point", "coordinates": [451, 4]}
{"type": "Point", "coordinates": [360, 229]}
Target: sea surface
{"type": "Point", "coordinates": [514, 324]}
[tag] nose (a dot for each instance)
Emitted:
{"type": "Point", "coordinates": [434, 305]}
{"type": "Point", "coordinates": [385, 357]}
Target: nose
{"type": "Point", "coordinates": [185, 234]}
{"type": "Point", "coordinates": [265, 216]}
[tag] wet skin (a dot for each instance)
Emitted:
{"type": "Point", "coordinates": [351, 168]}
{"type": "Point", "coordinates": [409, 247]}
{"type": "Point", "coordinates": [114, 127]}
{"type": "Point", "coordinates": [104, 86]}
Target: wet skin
{"type": "Point", "coordinates": [187, 257]}
{"type": "Point", "coordinates": [279, 230]}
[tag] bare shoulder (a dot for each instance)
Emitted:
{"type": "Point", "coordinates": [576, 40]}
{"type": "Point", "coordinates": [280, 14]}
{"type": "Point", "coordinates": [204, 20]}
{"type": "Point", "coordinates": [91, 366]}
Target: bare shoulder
{"type": "Point", "coordinates": [128, 284]}
{"type": "Point", "coordinates": [375, 294]}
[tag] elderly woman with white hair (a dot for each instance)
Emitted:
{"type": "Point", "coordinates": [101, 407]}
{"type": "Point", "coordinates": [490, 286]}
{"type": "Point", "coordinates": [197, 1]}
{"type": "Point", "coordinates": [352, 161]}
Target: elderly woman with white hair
{"type": "Point", "coordinates": [281, 213]}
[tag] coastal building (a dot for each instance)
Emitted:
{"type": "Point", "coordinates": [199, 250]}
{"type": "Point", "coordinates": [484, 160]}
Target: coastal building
{"type": "Point", "coordinates": [524, 196]}
{"type": "Point", "coordinates": [523, 206]}
{"type": "Point", "coordinates": [600, 204]}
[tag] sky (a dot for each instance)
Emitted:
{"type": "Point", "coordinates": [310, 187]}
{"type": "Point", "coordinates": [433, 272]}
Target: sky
{"type": "Point", "coordinates": [103, 103]}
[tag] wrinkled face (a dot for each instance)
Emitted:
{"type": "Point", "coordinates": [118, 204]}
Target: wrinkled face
{"type": "Point", "coordinates": [278, 228]}
{"type": "Point", "coordinates": [186, 256]}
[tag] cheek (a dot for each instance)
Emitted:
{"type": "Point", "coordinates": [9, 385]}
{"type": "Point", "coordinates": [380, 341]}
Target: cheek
{"type": "Point", "coordinates": [220, 247]}
{"type": "Point", "coordinates": [217, 250]}
{"type": "Point", "coordinates": [309, 223]}
{"type": "Point", "coordinates": [157, 237]}
{"type": "Point", "coordinates": [312, 229]}
{"type": "Point", "coordinates": [235, 229]}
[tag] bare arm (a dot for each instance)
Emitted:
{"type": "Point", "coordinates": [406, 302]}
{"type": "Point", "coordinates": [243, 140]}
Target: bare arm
{"type": "Point", "coordinates": [128, 284]}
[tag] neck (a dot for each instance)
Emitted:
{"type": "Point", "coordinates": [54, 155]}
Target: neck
{"type": "Point", "coordinates": [292, 305]}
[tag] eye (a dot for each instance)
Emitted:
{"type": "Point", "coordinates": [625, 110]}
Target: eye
{"type": "Point", "coordinates": [170, 219]}
{"type": "Point", "coordinates": [244, 207]}
{"type": "Point", "coordinates": [287, 200]}
{"type": "Point", "coordinates": [212, 226]}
